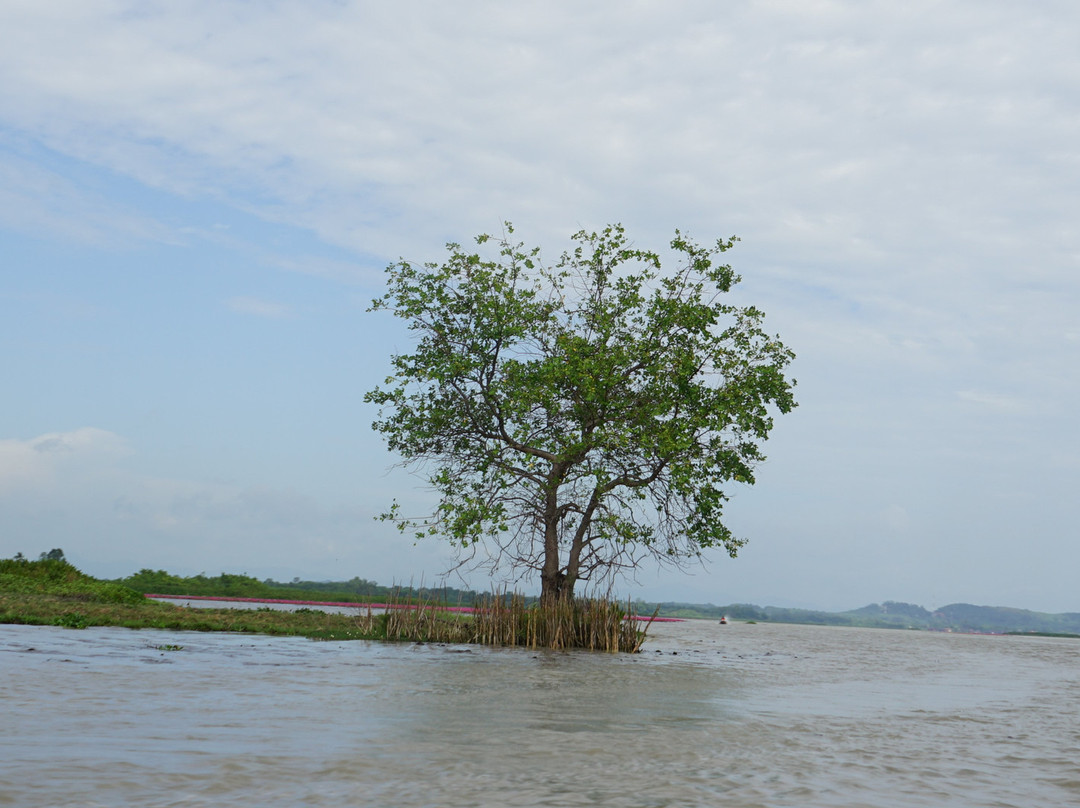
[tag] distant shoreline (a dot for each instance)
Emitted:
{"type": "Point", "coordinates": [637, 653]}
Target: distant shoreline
{"type": "Point", "coordinates": [353, 605]}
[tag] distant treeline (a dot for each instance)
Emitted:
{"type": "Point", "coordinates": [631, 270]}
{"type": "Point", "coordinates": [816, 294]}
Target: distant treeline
{"type": "Point", "coordinates": [356, 590]}
{"type": "Point", "coordinates": [955, 617]}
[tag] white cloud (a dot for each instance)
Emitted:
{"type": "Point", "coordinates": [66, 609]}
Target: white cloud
{"type": "Point", "coordinates": [259, 308]}
{"type": "Point", "coordinates": [349, 117]}
{"type": "Point", "coordinates": [27, 465]}
{"type": "Point", "coordinates": [896, 519]}
{"type": "Point", "coordinates": [892, 162]}
{"type": "Point", "coordinates": [44, 203]}
{"type": "Point", "coordinates": [997, 402]}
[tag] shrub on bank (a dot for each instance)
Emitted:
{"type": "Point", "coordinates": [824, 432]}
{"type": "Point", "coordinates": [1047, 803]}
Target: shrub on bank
{"type": "Point", "coordinates": [59, 578]}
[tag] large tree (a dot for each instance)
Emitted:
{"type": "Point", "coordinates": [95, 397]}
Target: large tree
{"type": "Point", "coordinates": [581, 417]}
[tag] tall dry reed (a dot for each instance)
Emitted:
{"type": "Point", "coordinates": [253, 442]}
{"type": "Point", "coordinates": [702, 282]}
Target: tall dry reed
{"type": "Point", "coordinates": [595, 624]}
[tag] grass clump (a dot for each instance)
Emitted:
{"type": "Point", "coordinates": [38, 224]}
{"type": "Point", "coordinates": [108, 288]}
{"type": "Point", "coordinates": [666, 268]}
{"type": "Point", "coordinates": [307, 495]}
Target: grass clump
{"type": "Point", "coordinates": [71, 620]}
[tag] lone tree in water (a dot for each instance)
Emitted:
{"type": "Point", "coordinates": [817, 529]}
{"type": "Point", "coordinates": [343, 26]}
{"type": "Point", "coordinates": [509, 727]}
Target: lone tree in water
{"type": "Point", "coordinates": [579, 418]}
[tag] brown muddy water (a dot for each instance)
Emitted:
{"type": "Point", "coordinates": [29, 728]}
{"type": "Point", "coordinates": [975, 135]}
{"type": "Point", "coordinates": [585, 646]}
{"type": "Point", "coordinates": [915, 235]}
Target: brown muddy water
{"type": "Point", "coordinates": [707, 715]}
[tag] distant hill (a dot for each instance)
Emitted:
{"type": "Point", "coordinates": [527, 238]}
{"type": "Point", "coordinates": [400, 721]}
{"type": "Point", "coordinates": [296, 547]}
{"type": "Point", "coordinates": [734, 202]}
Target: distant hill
{"type": "Point", "coordinates": [961, 617]}
{"type": "Point", "coordinates": [965, 617]}
{"type": "Point", "coordinates": [890, 610]}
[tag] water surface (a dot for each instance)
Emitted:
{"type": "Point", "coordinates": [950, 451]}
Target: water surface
{"type": "Point", "coordinates": [739, 715]}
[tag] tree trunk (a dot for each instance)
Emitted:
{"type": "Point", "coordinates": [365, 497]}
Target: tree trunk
{"type": "Point", "coordinates": [553, 582]}
{"type": "Point", "coordinates": [555, 587]}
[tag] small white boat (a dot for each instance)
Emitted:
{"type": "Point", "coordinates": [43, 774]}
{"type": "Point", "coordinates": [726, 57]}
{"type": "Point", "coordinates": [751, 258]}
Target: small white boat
{"type": "Point", "coordinates": [723, 620]}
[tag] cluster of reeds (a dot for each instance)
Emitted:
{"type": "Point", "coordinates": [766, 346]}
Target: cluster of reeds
{"type": "Point", "coordinates": [594, 624]}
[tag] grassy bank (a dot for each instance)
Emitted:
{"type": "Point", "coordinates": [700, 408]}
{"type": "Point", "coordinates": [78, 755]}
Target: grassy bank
{"type": "Point", "coordinates": [53, 592]}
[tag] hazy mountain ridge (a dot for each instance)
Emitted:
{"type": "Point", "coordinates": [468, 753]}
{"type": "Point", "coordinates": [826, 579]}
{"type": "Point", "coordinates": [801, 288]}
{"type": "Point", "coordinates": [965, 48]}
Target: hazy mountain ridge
{"type": "Point", "coordinates": [890, 614]}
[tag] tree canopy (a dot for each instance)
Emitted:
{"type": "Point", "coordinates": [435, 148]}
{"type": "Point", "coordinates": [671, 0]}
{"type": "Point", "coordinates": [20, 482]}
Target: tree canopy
{"type": "Point", "coordinates": [576, 419]}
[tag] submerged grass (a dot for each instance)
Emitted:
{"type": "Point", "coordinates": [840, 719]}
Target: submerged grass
{"type": "Point", "coordinates": [56, 593]}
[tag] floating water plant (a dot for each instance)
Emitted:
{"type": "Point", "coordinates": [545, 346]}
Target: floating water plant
{"type": "Point", "coordinates": [71, 620]}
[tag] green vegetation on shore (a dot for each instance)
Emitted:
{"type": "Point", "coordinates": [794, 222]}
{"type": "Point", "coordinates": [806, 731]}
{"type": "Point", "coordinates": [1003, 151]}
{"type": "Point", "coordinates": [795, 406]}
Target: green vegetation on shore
{"type": "Point", "coordinates": [51, 591]}
{"type": "Point", "coordinates": [357, 590]}
{"type": "Point", "coordinates": [64, 580]}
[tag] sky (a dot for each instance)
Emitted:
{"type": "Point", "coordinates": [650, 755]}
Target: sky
{"type": "Point", "coordinates": [198, 201]}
